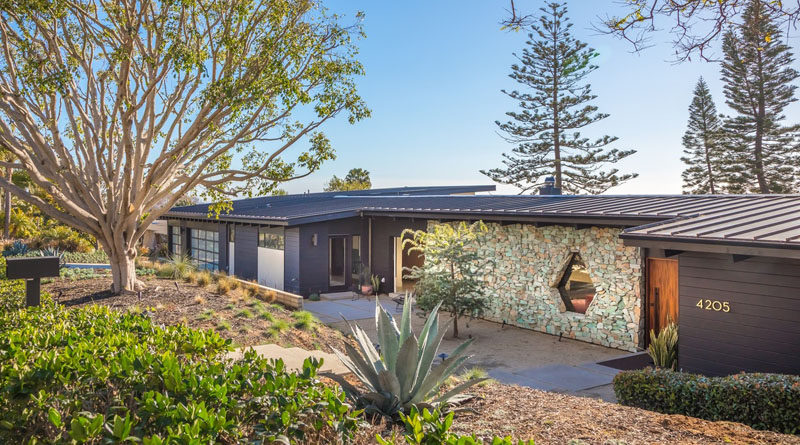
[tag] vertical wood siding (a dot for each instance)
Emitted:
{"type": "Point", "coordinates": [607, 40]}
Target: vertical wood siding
{"type": "Point", "coordinates": [760, 333]}
{"type": "Point", "coordinates": [291, 265]}
{"type": "Point", "coordinates": [246, 252]}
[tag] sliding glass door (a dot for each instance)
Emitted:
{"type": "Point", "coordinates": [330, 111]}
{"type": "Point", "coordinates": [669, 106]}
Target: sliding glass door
{"type": "Point", "coordinates": [337, 262]}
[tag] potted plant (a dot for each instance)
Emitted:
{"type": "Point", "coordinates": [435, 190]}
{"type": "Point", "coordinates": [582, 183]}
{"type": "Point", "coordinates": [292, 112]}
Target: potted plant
{"type": "Point", "coordinates": [366, 282]}
{"type": "Point", "coordinates": [376, 283]}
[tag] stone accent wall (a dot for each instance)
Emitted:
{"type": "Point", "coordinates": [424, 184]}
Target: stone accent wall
{"type": "Point", "coordinates": [528, 263]}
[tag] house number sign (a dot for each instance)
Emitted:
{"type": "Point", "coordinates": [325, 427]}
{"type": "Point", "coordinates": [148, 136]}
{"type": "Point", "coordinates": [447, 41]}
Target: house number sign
{"type": "Point", "coordinates": [714, 305]}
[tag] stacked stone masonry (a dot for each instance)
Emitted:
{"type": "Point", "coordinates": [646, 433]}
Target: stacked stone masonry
{"type": "Point", "coordinates": [528, 263]}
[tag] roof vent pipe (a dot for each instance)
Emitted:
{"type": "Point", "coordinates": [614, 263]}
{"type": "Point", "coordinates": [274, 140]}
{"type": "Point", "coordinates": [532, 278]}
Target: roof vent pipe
{"type": "Point", "coordinates": [549, 187]}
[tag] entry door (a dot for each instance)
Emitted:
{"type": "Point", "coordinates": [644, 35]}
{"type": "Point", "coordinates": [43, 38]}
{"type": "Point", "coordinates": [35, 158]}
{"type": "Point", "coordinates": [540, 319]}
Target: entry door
{"type": "Point", "coordinates": [337, 263]}
{"type": "Point", "coordinates": [662, 293]}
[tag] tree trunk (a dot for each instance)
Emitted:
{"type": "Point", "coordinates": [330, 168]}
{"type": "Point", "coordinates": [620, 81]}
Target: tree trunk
{"type": "Point", "coordinates": [455, 325]}
{"type": "Point", "coordinates": [123, 271]}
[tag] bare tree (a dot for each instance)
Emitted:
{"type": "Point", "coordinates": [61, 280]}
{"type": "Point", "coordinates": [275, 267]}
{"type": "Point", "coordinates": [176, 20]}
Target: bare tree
{"type": "Point", "coordinates": [117, 109]}
{"type": "Point", "coordinates": [694, 24]}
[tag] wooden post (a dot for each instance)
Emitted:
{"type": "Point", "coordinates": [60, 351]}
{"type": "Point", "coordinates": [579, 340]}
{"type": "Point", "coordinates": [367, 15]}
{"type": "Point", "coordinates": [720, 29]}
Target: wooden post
{"type": "Point", "coordinates": [32, 292]}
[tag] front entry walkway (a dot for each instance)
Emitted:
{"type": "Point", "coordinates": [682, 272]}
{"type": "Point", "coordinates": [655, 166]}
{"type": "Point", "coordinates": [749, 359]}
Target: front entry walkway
{"type": "Point", "coordinates": [509, 354]}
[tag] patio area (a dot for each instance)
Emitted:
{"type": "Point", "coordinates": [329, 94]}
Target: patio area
{"type": "Point", "coordinates": [509, 354]}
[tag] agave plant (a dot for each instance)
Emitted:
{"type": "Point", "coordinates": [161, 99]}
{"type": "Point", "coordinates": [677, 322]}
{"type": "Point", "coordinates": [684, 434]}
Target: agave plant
{"type": "Point", "coordinates": [17, 248]}
{"type": "Point", "coordinates": [53, 251]}
{"type": "Point", "coordinates": [402, 374]}
{"type": "Point", "coordinates": [663, 347]}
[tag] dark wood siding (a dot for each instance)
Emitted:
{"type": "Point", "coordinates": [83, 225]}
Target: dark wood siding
{"type": "Point", "coordinates": [291, 260]}
{"type": "Point", "coordinates": [760, 333]}
{"type": "Point", "coordinates": [383, 232]}
{"type": "Point", "coordinates": [314, 259]}
{"type": "Point", "coordinates": [245, 255]}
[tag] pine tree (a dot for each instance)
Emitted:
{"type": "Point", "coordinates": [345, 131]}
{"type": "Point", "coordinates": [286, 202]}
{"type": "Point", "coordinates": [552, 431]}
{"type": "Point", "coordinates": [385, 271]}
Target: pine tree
{"type": "Point", "coordinates": [552, 112]}
{"type": "Point", "coordinates": [703, 145]}
{"type": "Point", "coordinates": [758, 85]}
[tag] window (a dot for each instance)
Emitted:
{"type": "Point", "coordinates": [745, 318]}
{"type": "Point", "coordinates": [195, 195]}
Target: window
{"type": "Point", "coordinates": [270, 237]}
{"type": "Point", "coordinates": [355, 258]}
{"type": "Point", "coordinates": [175, 236]}
{"type": "Point", "coordinates": [576, 286]}
{"type": "Point", "coordinates": [231, 233]}
{"type": "Point", "coordinates": [205, 249]}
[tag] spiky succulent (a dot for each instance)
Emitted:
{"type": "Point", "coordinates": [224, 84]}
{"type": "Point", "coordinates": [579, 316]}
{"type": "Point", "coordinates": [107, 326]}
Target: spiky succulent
{"type": "Point", "coordinates": [402, 374]}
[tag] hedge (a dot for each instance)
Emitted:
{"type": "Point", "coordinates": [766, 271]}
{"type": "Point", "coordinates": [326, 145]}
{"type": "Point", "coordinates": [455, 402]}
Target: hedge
{"type": "Point", "coordinates": [763, 401]}
{"type": "Point", "coordinates": [94, 375]}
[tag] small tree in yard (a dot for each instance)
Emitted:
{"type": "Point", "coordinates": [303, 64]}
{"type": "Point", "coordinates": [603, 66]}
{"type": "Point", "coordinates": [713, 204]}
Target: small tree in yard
{"type": "Point", "coordinates": [450, 272]}
{"type": "Point", "coordinates": [119, 109]}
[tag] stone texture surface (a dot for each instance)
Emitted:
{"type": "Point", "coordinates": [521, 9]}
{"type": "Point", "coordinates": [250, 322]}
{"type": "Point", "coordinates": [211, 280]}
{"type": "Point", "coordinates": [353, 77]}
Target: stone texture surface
{"type": "Point", "coordinates": [528, 262]}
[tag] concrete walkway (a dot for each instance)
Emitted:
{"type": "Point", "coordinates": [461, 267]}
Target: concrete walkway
{"type": "Point", "coordinates": [294, 357]}
{"type": "Point", "coordinates": [332, 311]}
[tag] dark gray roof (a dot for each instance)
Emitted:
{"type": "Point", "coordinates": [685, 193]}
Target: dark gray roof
{"type": "Point", "coordinates": [768, 220]}
{"type": "Point", "coordinates": [758, 221]}
{"type": "Point", "coordinates": [310, 207]}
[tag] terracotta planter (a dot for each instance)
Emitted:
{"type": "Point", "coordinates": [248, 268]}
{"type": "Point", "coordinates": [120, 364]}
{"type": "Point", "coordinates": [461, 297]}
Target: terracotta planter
{"type": "Point", "coordinates": [366, 289]}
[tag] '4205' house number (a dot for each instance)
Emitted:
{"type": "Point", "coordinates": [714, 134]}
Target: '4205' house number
{"type": "Point", "coordinates": [714, 305]}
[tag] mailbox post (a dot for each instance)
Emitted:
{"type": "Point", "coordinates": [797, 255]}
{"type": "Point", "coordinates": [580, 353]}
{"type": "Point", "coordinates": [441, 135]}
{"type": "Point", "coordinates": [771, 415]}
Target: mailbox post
{"type": "Point", "coordinates": [32, 270]}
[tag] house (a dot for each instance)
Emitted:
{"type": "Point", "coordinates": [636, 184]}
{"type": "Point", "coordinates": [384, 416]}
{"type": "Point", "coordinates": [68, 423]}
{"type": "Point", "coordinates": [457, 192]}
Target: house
{"type": "Point", "coordinates": [602, 269]}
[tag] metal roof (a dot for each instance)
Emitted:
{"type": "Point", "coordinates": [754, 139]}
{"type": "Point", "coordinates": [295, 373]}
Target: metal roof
{"type": "Point", "coordinates": [766, 221]}
{"type": "Point", "coordinates": [756, 220]}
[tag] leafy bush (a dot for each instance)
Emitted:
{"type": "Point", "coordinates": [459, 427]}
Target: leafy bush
{"type": "Point", "coordinates": [663, 347]}
{"type": "Point", "coordinates": [83, 274]}
{"type": "Point", "coordinates": [63, 238]}
{"type": "Point", "coordinates": [401, 375]}
{"type": "Point", "coordinates": [430, 428]}
{"type": "Point", "coordinates": [763, 401]}
{"type": "Point", "coordinates": [132, 380]}
{"type": "Point", "coordinates": [99, 256]}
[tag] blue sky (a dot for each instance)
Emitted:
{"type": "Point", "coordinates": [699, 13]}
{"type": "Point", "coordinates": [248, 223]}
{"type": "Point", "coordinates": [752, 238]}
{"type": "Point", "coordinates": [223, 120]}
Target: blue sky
{"type": "Point", "coordinates": [434, 71]}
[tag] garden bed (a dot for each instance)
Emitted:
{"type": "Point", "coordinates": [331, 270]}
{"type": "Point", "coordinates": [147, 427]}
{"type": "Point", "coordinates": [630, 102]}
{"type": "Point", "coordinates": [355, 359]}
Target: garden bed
{"type": "Point", "coordinates": [245, 320]}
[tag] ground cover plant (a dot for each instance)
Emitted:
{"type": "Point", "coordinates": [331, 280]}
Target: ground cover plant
{"type": "Point", "coordinates": [763, 401]}
{"type": "Point", "coordinates": [133, 380]}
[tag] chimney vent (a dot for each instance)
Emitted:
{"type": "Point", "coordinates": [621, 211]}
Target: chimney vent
{"type": "Point", "coordinates": [549, 187]}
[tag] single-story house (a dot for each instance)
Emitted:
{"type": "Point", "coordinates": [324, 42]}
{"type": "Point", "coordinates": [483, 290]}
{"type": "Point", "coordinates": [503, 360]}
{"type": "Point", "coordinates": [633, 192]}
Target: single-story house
{"type": "Point", "coordinates": [603, 269]}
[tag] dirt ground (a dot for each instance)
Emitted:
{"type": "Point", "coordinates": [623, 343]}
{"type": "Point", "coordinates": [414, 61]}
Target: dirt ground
{"type": "Point", "coordinates": [245, 320]}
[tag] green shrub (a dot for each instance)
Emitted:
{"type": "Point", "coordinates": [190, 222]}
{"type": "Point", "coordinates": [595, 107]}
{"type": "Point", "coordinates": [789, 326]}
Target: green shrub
{"type": "Point", "coordinates": [432, 428]}
{"type": "Point", "coordinates": [763, 401]}
{"type": "Point", "coordinates": [132, 380]}
{"type": "Point", "coordinates": [99, 256]}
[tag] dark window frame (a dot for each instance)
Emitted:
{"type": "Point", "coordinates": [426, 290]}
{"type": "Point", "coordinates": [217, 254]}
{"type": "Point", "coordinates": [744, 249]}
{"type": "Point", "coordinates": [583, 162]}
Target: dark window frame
{"type": "Point", "coordinates": [205, 249]}
{"type": "Point", "coordinates": [271, 238]}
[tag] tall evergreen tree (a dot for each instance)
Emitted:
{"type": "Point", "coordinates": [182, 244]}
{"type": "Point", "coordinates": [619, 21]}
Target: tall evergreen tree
{"type": "Point", "coordinates": [703, 147]}
{"type": "Point", "coordinates": [758, 85]}
{"type": "Point", "coordinates": [553, 110]}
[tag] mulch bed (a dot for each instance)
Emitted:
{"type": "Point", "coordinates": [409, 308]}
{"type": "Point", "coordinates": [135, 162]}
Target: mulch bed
{"type": "Point", "coordinates": [552, 418]}
{"type": "Point", "coordinates": [191, 304]}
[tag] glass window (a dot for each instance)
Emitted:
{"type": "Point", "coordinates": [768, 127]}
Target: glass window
{"type": "Point", "coordinates": [270, 237]}
{"type": "Point", "coordinates": [205, 249]}
{"type": "Point", "coordinates": [175, 236]}
{"type": "Point", "coordinates": [355, 258]}
{"type": "Point", "coordinates": [231, 233]}
{"type": "Point", "coordinates": [576, 286]}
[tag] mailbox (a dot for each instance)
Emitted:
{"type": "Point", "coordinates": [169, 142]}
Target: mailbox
{"type": "Point", "coordinates": [32, 270]}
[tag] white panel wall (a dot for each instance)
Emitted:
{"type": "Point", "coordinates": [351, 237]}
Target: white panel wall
{"type": "Point", "coordinates": [270, 267]}
{"type": "Point", "coordinates": [230, 259]}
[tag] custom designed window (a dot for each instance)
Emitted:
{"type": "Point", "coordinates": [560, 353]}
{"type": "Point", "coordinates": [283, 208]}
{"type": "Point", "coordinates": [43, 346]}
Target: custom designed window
{"type": "Point", "coordinates": [355, 258]}
{"type": "Point", "coordinates": [175, 237]}
{"type": "Point", "coordinates": [270, 237]}
{"type": "Point", "coordinates": [576, 286]}
{"type": "Point", "coordinates": [205, 249]}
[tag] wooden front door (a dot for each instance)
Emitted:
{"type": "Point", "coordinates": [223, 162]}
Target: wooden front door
{"type": "Point", "coordinates": [662, 293]}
